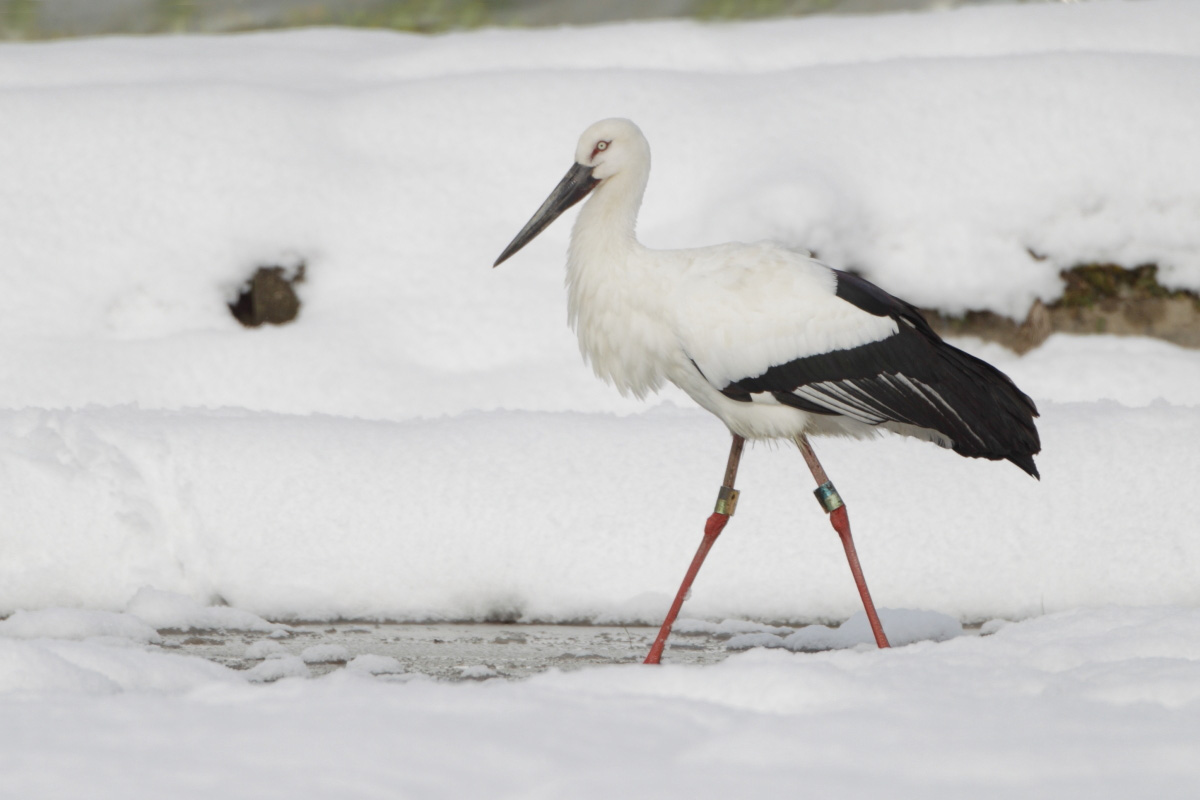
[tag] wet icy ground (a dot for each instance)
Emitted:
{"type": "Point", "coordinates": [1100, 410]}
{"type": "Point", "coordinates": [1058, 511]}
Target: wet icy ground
{"type": "Point", "coordinates": [462, 651]}
{"type": "Point", "coordinates": [261, 651]}
{"type": "Point", "coordinates": [444, 651]}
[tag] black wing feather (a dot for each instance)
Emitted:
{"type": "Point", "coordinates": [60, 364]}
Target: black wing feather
{"type": "Point", "coordinates": [911, 377]}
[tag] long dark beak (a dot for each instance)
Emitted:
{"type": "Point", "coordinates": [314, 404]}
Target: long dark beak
{"type": "Point", "coordinates": [570, 190]}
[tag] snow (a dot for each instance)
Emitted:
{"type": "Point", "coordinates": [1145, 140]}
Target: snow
{"type": "Point", "coordinates": [478, 672]}
{"type": "Point", "coordinates": [169, 610]}
{"type": "Point", "coordinates": [511, 516]}
{"type": "Point", "coordinates": [50, 667]}
{"type": "Point", "coordinates": [277, 667]}
{"type": "Point", "coordinates": [903, 626]}
{"type": "Point", "coordinates": [264, 648]}
{"type": "Point", "coordinates": [424, 444]}
{"type": "Point", "coordinates": [324, 654]}
{"type": "Point", "coordinates": [72, 623]}
{"type": "Point", "coordinates": [1096, 702]}
{"type": "Point", "coordinates": [1133, 371]}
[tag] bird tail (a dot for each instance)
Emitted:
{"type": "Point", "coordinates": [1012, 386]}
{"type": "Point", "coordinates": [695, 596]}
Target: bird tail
{"type": "Point", "coordinates": [1003, 413]}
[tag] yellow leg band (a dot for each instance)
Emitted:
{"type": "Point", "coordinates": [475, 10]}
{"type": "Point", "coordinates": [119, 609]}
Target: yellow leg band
{"type": "Point", "coordinates": [726, 501]}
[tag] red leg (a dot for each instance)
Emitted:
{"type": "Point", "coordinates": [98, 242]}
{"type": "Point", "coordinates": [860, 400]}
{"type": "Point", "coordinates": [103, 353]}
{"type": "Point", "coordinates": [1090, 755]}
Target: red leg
{"type": "Point", "coordinates": [726, 501]}
{"type": "Point", "coordinates": [833, 505]}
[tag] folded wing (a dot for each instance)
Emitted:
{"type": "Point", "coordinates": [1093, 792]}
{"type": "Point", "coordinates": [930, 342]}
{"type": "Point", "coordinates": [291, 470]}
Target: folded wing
{"type": "Point", "coordinates": [908, 376]}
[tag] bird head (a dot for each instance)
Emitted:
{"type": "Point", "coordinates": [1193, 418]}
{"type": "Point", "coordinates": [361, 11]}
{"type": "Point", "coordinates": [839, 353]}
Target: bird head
{"type": "Point", "coordinates": [611, 146]}
{"type": "Point", "coordinates": [606, 149]}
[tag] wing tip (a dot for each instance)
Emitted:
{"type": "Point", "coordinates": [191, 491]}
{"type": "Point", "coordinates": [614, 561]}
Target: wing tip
{"type": "Point", "coordinates": [1025, 462]}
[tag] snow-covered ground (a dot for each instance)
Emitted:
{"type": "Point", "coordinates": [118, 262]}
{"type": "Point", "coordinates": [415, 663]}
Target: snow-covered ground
{"type": "Point", "coordinates": [424, 443]}
{"type": "Point", "coordinates": [1098, 703]}
{"type": "Point", "coordinates": [562, 517]}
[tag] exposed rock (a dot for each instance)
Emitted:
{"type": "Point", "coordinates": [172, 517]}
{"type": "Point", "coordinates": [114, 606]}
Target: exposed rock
{"type": "Point", "coordinates": [269, 296]}
{"type": "Point", "coordinates": [1099, 298]}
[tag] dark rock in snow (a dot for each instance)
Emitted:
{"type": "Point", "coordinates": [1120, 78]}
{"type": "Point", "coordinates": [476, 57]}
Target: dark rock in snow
{"type": "Point", "coordinates": [269, 296]}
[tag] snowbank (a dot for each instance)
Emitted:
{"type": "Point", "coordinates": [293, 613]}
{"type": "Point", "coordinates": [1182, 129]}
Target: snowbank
{"type": "Point", "coordinates": [48, 666]}
{"type": "Point", "coordinates": [554, 517]}
{"type": "Point", "coordinates": [148, 177]}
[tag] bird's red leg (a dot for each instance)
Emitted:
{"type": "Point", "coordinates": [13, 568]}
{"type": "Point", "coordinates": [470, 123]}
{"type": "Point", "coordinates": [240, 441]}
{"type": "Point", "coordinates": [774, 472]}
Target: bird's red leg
{"type": "Point", "coordinates": [836, 509]}
{"type": "Point", "coordinates": [726, 501]}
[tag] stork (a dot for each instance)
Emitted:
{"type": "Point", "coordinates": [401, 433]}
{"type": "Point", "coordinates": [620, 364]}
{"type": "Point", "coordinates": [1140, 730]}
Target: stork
{"type": "Point", "coordinates": [773, 342]}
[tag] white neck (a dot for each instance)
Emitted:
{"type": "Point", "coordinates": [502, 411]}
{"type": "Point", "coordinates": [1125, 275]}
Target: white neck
{"type": "Point", "coordinates": [607, 223]}
{"type": "Point", "coordinates": [614, 300]}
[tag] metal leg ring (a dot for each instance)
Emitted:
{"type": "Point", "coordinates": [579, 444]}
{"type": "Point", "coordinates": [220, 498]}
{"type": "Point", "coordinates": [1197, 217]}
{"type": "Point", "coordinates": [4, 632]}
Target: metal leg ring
{"type": "Point", "coordinates": [828, 497]}
{"type": "Point", "coordinates": [726, 501]}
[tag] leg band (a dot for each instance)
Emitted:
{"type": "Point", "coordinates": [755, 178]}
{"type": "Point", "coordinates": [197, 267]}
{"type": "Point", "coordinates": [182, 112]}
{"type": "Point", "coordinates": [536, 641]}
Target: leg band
{"type": "Point", "coordinates": [726, 501]}
{"type": "Point", "coordinates": [828, 497]}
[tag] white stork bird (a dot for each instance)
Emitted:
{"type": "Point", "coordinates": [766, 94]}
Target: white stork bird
{"type": "Point", "coordinates": [775, 343]}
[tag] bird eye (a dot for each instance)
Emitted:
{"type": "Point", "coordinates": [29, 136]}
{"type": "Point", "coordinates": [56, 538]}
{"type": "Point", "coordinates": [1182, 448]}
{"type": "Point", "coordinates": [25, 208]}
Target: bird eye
{"type": "Point", "coordinates": [601, 145]}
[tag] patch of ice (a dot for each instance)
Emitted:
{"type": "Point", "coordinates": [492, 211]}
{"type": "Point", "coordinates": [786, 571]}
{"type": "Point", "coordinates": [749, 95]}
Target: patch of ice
{"type": "Point", "coordinates": [374, 664]}
{"type": "Point", "coordinates": [902, 626]}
